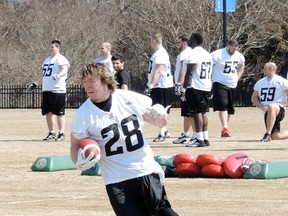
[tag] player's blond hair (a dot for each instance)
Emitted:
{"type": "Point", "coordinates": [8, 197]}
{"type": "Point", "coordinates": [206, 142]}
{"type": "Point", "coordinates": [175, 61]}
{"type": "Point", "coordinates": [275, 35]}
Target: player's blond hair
{"type": "Point", "coordinates": [157, 37]}
{"type": "Point", "coordinates": [99, 70]}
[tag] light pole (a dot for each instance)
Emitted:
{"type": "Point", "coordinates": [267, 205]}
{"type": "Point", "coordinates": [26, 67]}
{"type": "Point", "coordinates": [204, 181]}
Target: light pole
{"type": "Point", "coordinates": [224, 23]}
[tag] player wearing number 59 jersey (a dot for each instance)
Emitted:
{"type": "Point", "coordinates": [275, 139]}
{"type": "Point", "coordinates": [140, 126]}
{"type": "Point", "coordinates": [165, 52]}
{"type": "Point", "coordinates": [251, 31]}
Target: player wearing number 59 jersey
{"type": "Point", "coordinates": [198, 84]}
{"type": "Point", "coordinates": [228, 67]}
{"type": "Point", "coordinates": [270, 95]}
{"type": "Point", "coordinates": [115, 119]}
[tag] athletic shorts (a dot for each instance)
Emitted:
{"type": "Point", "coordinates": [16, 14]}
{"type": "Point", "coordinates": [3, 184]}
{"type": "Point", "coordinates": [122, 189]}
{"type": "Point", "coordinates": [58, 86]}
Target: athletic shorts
{"type": "Point", "coordinates": [185, 109]}
{"type": "Point", "coordinates": [141, 196]}
{"type": "Point", "coordinates": [279, 118]}
{"type": "Point", "coordinates": [163, 96]}
{"type": "Point", "coordinates": [53, 102]}
{"type": "Point", "coordinates": [198, 100]}
{"type": "Point", "coordinates": [223, 98]}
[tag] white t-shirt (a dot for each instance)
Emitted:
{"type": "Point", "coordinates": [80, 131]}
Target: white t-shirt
{"type": "Point", "coordinates": [106, 61]}
{"type": "Point", "coordinates": [161, 56]}
{"type": "Point", "coordinates": [181, 58]}
{"type": "Point", "coordinates": [51, 66]}
{"type": "Point", "coordinates": [201, 78]}
{"type": "Point", "coordinates": [125, 153]}
{"type": "Point", "coordinates": [271, 90]}
{"type": "Point", "coordinates": [225, 67]}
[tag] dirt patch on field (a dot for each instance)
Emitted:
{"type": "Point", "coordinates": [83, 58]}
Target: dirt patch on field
{"type": "Point", "coordinates": [24, 192]}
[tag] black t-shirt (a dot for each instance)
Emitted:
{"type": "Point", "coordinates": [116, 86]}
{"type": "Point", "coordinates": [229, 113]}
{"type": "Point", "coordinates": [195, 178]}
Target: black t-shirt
{"type": "Point", "coordinates": [105, 105]}
{"type": "Point", "coordinates": [122, 77]}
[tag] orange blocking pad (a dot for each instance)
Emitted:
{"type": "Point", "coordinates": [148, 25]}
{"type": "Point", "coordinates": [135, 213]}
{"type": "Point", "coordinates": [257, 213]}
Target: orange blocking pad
{"type": "Point", "coordinates": [214, 171]}
{"type": "Point", "coordinates": [188, 170]}
{"type": "Point", "coordinates": [183, 158]}
{"type": "Point", "coordinates": [206, 159]}
{"type": "Point", "coordinates": [233, 163]}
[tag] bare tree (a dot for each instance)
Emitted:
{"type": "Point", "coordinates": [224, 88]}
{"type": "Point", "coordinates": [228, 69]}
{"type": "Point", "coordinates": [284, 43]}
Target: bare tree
{"type": "Point", "coordinates": [81, 26]}
{"type": "Point", "coordinates": [28, 26]}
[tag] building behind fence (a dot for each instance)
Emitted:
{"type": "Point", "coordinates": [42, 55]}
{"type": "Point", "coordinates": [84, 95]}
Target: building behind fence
{"type": "Point", "coordinates": [17, 97]}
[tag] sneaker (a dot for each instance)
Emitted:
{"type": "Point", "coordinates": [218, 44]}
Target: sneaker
{"type": "Point", "coordinates": [60, 137]}
{"type": "Point", "coordinates": [166, 134]}
{"type": "Point", "coordinates": [196, 143]}
{"type": "Point", "coordinates": [180, 140]}
{"type": "Point", "coordinates": [50, 137]}
{"type": "Point", "coordinates": [192, 140]}
{"type": "Point", "coordinates": [225, 133]}
{"type": "Point", "coordinates": [207, 143]}
{"type": "Point", "coordinates": [266, 138]}
{"type": "Point", "coordinates": [159, 138]}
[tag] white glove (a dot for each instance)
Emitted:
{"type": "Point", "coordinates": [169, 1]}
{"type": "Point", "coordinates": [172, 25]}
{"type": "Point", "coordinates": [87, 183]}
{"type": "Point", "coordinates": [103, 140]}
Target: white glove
{"type": "Point", "coordinates": [147, 91]}
{"type": "Point", "coordinates": [183, 98]}
{"type": "Point", "coordinates": [177, 89]}
{"type": "Point", "coordinates": [32, 87]}
{"type": "Point", "coordinates": [56, 76]}
{"type": "Point", "coordinates": [86, 163]}
{"type": "Point", "coordinates": [158, 111]}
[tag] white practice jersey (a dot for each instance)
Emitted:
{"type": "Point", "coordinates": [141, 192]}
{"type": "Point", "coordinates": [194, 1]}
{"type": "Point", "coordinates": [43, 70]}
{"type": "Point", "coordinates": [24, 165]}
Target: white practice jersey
{"type": "Point", "coordinates": [125, 153]}
{"type": "Point", "coordinates": [225, 67]}
{"type": "Point", "coordinates": [161, 56]}
{"type": "Point", "coordinates": [201, 78]}
{"type": "Point", "coordinates": [271, 90]}
{"type": "Point", "coordinates": [106, 61]}
{"type": "Point", "coordinates": [51, 66]}
{"type": "Point", "coordinates": [181, 58]}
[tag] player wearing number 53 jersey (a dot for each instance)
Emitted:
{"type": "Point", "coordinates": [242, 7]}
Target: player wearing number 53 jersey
{"type": "Point", "coordinates": [198, 84]}
{"type": "Point", "coordinates": [228, 67]}
{"type": "Point", "coordinates": [270, 95]}
{"type": "Point", "coordinates": [115, 119]}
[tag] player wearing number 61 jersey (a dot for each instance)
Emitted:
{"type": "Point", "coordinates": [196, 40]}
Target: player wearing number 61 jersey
{"type": "Point", "coordinates": [115, 119]}
{"type": "Point", "coordinates": [270, 95]}
{"type": "Point", "coordinates": [228, 67]}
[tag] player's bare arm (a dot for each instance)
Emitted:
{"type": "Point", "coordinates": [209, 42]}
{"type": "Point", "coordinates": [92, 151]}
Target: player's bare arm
{"type": "Point", "coordinates": [181, 74]}
{"type": "Point", "coordinates": [158, 121]}
{"type": "Point", "coordinates": [240, 70]}
{"type": "Point", "coordinates": [74, 148]}
{"type": "Point", "coordinates": [188, 75]}
{"type": "Point", "coordinates": [63, 70]}
{"type": "Point", "coordinates": [255, 100]}
{"type": "Point", "coordinates": [124, 87]}
{"type": "Point", "coordinates": [157, 73]}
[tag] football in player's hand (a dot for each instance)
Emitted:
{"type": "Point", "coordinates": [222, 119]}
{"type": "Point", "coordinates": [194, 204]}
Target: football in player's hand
{"type": "Point", "coordinates": [89, 145]}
